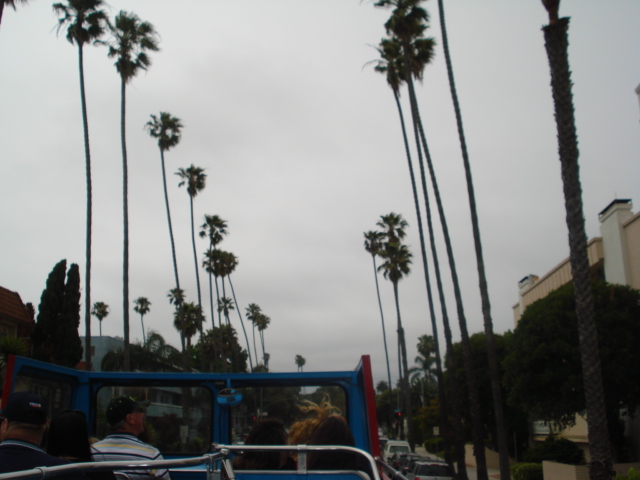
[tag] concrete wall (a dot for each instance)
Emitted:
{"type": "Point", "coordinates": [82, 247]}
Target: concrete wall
{"type": "Point", "coordinates": [561, 471]}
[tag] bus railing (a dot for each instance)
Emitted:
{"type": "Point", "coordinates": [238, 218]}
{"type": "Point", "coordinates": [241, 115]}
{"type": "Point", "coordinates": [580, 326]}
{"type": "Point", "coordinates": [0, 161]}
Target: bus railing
{"type": "Point", "coordinates": [220, 454]}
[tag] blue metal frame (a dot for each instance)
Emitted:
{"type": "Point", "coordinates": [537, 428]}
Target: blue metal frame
{"type": "Point", "coordinates": [85, 386]}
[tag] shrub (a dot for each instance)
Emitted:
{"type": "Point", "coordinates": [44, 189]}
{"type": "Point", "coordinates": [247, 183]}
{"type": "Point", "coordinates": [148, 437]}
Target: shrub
{"type": "Point", "coordinates": [526, 471]}
{"type": "Point", "coordinates": [433, 445]}
{"type": "Point", "coordinates": [555, 449]}
{"type": "Point", "coordinates": [632, 474]}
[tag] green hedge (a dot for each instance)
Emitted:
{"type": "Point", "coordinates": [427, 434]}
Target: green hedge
{"type": "Point", "coordinates": [526, 471]}
{"type": "Point", "coordinates": [632, 474]}
{"type": "Point", "coordinates": [433, 445]}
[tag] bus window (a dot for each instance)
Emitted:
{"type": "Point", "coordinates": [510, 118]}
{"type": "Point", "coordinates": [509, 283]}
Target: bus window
{"type": "Point", "coordinates": [56, 394]}
{"type": "Point", "coordinates": [282, 403]}
{"type": "Point", "coordinates": [178, 419]}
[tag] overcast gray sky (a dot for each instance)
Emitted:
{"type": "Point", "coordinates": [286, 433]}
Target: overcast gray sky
{"type": "Point", "coordinates": [303, 152]}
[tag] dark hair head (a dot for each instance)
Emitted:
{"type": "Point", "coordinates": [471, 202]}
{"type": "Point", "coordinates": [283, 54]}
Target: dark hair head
{"type": "Point", "coordinates": [332, 430]}
{"type": "Point", "coordinates": [25, 407]}
{"type": "Point", "coordinates": [265, 432]}
{"type": "Point", "coordinates": [69, 436]}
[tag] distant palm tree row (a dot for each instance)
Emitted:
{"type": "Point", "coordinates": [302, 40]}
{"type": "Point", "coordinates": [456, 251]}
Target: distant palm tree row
{"type": "Point", "coordinates": [129, 41]}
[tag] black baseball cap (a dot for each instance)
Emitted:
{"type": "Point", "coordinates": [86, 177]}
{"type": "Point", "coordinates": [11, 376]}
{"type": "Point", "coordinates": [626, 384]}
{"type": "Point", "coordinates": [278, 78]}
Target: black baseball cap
{"type": "Point", "coordinates": [25, 407]}
{"type": "Point", "coordinates": [120, 407]}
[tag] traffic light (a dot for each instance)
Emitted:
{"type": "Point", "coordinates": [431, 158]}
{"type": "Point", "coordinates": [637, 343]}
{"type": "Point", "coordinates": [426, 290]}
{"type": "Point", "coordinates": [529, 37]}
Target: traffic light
{"type": "Point", "coordinates": [397, 413]}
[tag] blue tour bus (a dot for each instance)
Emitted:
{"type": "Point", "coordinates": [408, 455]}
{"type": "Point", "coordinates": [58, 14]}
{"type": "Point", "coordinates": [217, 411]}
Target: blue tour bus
{"type": "Point", "coordinates": [206, 416]}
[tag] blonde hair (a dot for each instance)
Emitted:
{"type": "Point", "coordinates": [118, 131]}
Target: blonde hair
{"type": "Point", "coordinates": [300, 432]}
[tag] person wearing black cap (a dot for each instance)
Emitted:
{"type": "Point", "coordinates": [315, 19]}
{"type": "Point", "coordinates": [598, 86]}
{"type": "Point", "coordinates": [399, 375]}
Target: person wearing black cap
{"type": "Point", "coordinates": [24, 419]}
{"type": "Point", "coordinates": [126, 418]}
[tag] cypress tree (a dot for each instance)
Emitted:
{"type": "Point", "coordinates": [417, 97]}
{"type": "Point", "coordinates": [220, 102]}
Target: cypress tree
{"type": "Point", "coordinates": [67, 345]}
{"type": "Point", "coordinates": [55, 337]}
{"type": "Point", "coordinates": [48, 312]}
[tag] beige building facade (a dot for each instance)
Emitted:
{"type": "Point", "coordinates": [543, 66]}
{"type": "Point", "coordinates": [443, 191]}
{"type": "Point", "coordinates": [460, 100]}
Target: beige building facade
{"type": "Point", "coordinates": [614, 257]}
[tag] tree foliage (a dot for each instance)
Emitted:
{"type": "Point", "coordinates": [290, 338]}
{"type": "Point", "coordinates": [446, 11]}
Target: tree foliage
{"type": "Point", "coordinates": [543, 365]}
{"type": "Point", "coordinates": [221, 350]}
{"type": "Point", "coordinates": [55, 337]}
{"type": "Point", "coordinates": [515, 415]}
{"type": "Point", "coordinates": [153, 356]}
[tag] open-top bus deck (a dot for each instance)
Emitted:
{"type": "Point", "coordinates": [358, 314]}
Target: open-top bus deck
{"type": "Point", "coordinates": [203, 418]}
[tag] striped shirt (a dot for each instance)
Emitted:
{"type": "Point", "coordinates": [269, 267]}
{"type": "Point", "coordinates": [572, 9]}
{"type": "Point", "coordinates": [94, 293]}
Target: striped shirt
{"type": "Point", "coordinates": [123, 447]}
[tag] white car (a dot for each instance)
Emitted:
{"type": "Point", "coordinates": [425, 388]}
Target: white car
{"type": "Point", "coordinates": [394, 446]}
{"type": "Point", "coordinates": [430, 470]}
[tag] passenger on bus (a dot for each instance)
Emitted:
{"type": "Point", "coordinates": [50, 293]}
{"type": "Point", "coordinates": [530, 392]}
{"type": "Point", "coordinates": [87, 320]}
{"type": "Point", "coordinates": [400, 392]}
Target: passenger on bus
{"type": "Point", "coordinates": [24, 420]}
{"type": "Point", "coordinates": [301, 431]}
{"type": "Point", "coordinates": [126, 418]}
{"type": "Point", "coordinates": [69, 439]}
{"type": "Point", "coordinates": [265, 432]}
{"type": "Point", "coordinates": [333, 430]}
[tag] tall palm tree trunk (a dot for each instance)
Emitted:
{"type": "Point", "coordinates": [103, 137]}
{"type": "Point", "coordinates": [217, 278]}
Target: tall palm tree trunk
{"type": "Point", "coordinates": [166, 202]}
{"type": "Point", "coordinates": [195, 261]}
{"type": "Point", "coordinates": [125, 203]}
{"type": "Point", "coordinates": [195, 255]}
{"type": "Point", "coordinates": [444, 419]}
{"type": "Point", "coordinates": [218, 302]}
{"type": "Point", "coordinates": [213, 317]}
{"type": "Point", "coordinates": [263, 351]}
{"type": "Point", "coordinates": [556, 42]}
{"type": "Point", "coordinates": [87, 154]}
{"type": "Point", "coordinates": [474, 400]}
{"type": "Point", "coordinates": [144, 337]}
{"type": "Point", "coordinates": [454, 385]}
{"type": "Point", "coordinates": [494, 370]}
{"type": "Point", "coordinates": [173, 254]}
{"type": "Point", "coordinates": [384, 339]}
{"type": "Point", "coordinates": [404, 380]}
{"type": "Point", "coordinates": [246, 338]}
{"type": "Point", "coordinates": [255, 350]}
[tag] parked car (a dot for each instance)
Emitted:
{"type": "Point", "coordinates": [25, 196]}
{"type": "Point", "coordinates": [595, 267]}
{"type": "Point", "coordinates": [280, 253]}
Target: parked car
{"type": "Point", "coordinates": [430, 470]}
{"type": "Point", "coordinates": [406, 461]}
{"type": "Point", "coordinates": [394, 446]}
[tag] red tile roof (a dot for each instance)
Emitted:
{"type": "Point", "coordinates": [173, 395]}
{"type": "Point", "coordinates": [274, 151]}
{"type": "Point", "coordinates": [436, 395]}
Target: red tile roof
{"type": "Point", "coordinates": [11, 306]}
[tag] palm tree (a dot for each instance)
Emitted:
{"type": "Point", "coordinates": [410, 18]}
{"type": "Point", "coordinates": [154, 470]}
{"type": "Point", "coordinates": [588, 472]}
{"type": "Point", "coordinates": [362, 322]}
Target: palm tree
{"type": "Point", "coordinates": [494, 370]}
{"type": "Point", "coordinates": [232, 263]}
{"type": "Point", "coordinates": [194, 178]}
{"type": "Point", "coordinates": [391, 64]}
{"type": "Point", "coordinates": [168, 130]}
{"type": "Point", "coordinates": [253, 314]}
{"type": "Point", "coordinates": [426, 351]}
{"type": "Point", "coordinates": [262, 322]}
{"type": "Point", "coordinates": [214, 228]}
{"type": "Point", "coordinates": [407, 23]}
{"type": "Point", "coordinates": [372, 244]}
{"type": "Point", "coordinates": [211, 265]}
{"type": "Point", "coordinates": [11, 3]}
{"type": "Point", "coordinates": [397, 259]}
{"type": "Point", "coordinates": [556, 43]}
{"type": "Point", "coordinates": [300, 362]}
{"type": "Point", "coordinates": [131, 39]}
{"type": "Point", "coordinates": [225, 305]}
{"type": "Point", "coordinates": [188, 318]}
{"type": "Point", "coordinates": [267, 357]}
{"type": "Point", "coordinates": [176, 298]}
{"type": "Point", "coordinates": [142, 305]}
{"type": "Point", "coordinates": [85, 22]}
{"type": "Point", "coordinates": [393, 226]}
{"type": "Point", "coordinates": [100, 310]}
